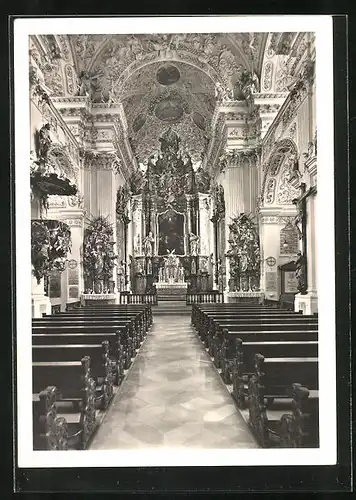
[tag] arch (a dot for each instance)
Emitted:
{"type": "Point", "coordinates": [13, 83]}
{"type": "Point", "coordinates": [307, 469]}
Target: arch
{"type": "Point", "coordinates": [185, 56]}
{"type": "Point", "coordinates": [278, 165]}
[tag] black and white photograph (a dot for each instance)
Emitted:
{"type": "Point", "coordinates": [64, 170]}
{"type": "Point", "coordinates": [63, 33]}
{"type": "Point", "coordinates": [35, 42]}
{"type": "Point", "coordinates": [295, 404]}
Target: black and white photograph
{"type": "Point", "coordinates": [175, 241]}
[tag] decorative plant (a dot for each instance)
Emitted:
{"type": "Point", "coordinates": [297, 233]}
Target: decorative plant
{"type": "Point", "coordinates": [50, 245]}
{"type": "Point", "coordinates": [98, 252]}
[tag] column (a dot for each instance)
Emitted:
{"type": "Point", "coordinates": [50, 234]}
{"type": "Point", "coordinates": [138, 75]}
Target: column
{"type": "Point", "coordinates": [129, 247]}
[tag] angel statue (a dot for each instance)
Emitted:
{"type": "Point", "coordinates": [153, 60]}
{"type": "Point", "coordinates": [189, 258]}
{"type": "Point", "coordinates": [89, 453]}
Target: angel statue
{"type": "Point", "coordinates": [148, 245]}
{"type": "Point", "coordinates": [44, 140]}
{"type": "Point", "coordinates": [222, 93]}
{"type": "Point", "coordinates": [87, 83]}
{"type": "Point", "coordinates": [193, 244]}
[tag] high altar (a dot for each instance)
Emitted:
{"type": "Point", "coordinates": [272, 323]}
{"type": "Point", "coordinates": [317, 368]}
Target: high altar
{"type": "Point", "coordinates": [169, 236]}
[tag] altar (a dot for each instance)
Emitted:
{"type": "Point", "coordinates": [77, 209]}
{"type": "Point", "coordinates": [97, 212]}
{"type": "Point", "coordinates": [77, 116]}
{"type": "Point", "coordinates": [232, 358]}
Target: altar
{"type": "Point", "coordinates": [169, 234]}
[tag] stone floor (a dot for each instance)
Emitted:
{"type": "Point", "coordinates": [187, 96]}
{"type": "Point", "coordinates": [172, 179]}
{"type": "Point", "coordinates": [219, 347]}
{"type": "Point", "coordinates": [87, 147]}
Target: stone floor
{"type": "Point", "coordinates": [172, 397]}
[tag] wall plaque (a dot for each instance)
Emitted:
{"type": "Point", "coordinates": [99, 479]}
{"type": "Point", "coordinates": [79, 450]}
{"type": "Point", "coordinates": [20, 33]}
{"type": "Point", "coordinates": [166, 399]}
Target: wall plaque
{"type": "Point", "coordinates": [73, 277]}
{"type": "Point", "coordinates": [271, 281]}
{"type": "Point", "coordinates": [289, 240]}
{"type": "Point", "coordinates": [73, 292]}
{"type": "Point", "coordinates": [55, 284]}
{"type": "Point", "coordinates": [290, 283]}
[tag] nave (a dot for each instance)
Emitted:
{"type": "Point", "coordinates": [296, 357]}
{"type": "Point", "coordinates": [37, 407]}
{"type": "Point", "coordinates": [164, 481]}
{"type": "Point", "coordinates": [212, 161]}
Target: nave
{"type": "Point", "coordinates": [210, 376]}
{"type": "Point", "coordinates": [177, 168]}
{"type": "Point", "coordinates": [172, 397]}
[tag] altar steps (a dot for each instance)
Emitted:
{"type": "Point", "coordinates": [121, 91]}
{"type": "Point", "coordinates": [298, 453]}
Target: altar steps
{"type": "Point", "coordinates": [172, 307]}
{"type": "Point", "coordinates": [166, 297]}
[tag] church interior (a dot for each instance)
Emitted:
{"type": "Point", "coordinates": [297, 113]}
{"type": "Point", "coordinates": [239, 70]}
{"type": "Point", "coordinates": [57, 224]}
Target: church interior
{"type": "Point", "coordinates": [173, 242]}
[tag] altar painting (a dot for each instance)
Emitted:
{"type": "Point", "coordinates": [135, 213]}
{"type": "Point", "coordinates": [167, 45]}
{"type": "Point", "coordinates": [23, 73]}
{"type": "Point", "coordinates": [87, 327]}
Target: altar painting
{"type": "Point", "coordinates": [171, 233]}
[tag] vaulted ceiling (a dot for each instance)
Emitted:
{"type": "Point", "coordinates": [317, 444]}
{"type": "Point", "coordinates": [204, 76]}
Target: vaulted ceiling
{"type": "Point", "coordinates": [161, 80]}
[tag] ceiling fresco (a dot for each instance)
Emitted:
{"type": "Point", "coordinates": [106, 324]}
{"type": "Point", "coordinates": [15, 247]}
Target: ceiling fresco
{"type": "Point", "coordinates": [166, 80]}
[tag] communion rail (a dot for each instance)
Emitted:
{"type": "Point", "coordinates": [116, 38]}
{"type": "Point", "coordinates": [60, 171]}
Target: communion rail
{"type": "Point", "coordinates": [213, 296]}
{"type": "Point", "coordinates": [138, 298]}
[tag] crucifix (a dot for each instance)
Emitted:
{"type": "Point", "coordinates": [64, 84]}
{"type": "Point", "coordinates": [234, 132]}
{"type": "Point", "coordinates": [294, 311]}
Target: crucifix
{"type": "Point", "coordinates": [300, 222]}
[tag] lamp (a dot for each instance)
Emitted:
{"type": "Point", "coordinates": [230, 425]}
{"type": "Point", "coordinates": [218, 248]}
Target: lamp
{"type": "Point", "coordinates": [285, 244]}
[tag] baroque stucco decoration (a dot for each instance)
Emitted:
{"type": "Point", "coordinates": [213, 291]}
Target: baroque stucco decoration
{"type": "Point", "coordinates": [283, 166]}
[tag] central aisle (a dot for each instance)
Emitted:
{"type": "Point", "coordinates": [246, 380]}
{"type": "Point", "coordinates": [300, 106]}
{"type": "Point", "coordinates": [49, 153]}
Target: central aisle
{"type": "Point", "coordinates": [172, 396]}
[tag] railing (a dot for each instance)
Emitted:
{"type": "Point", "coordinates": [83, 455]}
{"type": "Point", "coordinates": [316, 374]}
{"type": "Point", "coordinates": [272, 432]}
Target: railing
{"type": "Point", "coordinates": [55, 309]}
{"type": "Point", "coordinates": [214, 296]}
{"type": "Point", "coordinates": [138, 298]}
{"type": "Point", "coordinates": [72, 305]}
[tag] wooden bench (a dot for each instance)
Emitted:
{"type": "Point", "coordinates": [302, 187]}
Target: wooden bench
{"type": "Point", "coordinates": [50, 432]}
{"type": "Point", "coordinates": [240, 365]}
{"type": "Point", "coordinates": [136, 321]}
{"type": "Point", "coordinates": [300, 429]}
{"type": "Point", "coordinates": [75, 397]}
{"type": "Point", "coordinates": [145, 309]}
{"type": "Point", "coordinates": [101, 368]}
{"type": "Point", "coordinates": [224, 348]}
{"type": "Point", "coordinates": [90, 329]}
{"type": "Point", "coordinates": [207, 324]}
{"type": "Point", "coordinates": [117, 353]}
{"type": "Point", "coordinates": [273, 380]}
{"type": "Point", "coordinates": [215, 334]}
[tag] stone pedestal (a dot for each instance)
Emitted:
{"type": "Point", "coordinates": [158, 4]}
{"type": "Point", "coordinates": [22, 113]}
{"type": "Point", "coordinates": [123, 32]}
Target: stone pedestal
{"type": "Point", "coordinates": [244, 297]}
{"type": "Point", "coordinates": [104, 298]}
{"type": "Point", "coordinates": [308, 303]}
{"type": "Point", "coordinates": [39, 301]}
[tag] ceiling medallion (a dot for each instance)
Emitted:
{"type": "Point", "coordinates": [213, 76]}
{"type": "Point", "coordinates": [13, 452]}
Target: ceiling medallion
{"type": "Point", "coordinates": [139, 122]}
{"type": "Point", "coordinates": [169, 110]}
{"type": "Point", "coordinates": [167, 75]}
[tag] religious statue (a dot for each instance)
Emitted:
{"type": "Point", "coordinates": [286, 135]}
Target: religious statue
{"type": "Point", "coordinates": [243, 260]}
{"type": "Point", "coordinates": [193, 244]}
{"type": "Point", "coordinates": [300, 273]}
{"type": "Point", "coordinates": [87, 83]}
{"type": "Point", "coordinates": [298, 220]}
{"type": "Point", "coordinates": [223, 93]}
{"type": "Point", "coordinates": [202, 180]}
{"type": "Point", "coordinates": [44, 141]}
{"type": "Point", "coordinates": [148, 245]}
{"type": "Point", "coordinates": [169, 142]}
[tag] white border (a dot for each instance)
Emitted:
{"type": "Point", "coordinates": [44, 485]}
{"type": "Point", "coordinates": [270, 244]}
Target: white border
{"type": "Point", "coordinates": [326, 454]}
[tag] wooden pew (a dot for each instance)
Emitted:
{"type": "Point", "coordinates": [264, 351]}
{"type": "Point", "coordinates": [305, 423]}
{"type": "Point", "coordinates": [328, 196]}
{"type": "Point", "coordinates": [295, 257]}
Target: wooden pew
{"type": "Point", "coordinates": [101, 369]}
{"type": "Point", "coordinates": [241, 360]}
{"type": "Point", "coordinates": [207, 324]}
{"type": "Point", "coordinates": [133, 334]}
{"type": "Point", "coordinates": [75, 398]}
{"type": "Point", "coordinates": [145, 309]}
{"type": "Point", "coordinates": [273, 380]}
{"type": "Point", "coordinates": [224, 348]}
{"type": "Point", "coordinates": [91, 329]}
{"type": "Point", "coordinates": [117, 353]}
{"type": "Point", "coordinates": [300, 429]}
{"type": "Point", "coordinates": [140, 310]}
{"type": "Point", "coordinates": [50, 432]}
{"type": "Point", "coordinates": [215, 335]}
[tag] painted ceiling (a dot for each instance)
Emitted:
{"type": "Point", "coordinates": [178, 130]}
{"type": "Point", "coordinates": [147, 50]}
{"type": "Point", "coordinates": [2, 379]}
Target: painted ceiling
{"type": "Point", "coordinates": [164, 80]}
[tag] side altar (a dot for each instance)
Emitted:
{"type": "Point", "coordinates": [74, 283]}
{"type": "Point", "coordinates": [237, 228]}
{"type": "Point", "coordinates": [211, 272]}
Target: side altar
{"type": "Point", "coordinates": [169, 236]}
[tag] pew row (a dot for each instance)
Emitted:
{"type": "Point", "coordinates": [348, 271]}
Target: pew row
{"type": "Point", "coordinates": [75, 396]}
{"type": "Point", "coordinates": [50, 431]}
{"type": "Point", "coordinates": [273, 381]}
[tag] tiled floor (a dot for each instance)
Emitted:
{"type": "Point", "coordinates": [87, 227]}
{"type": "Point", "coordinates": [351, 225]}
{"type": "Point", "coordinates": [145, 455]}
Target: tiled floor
{"type": "Point", "coordinates": [172, 396]}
